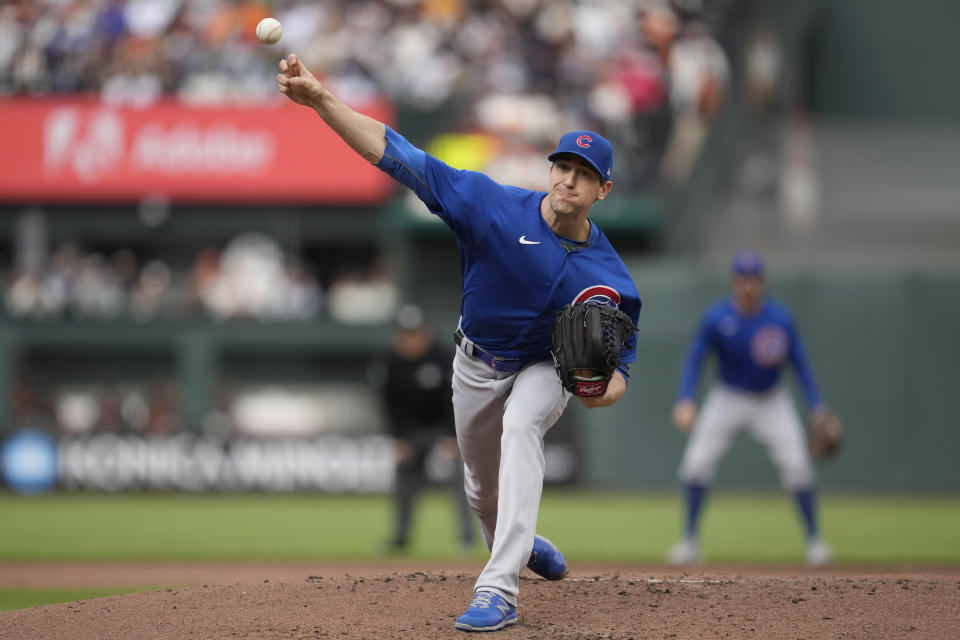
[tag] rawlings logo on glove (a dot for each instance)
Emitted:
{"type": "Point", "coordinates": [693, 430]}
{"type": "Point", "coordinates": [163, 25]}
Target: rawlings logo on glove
{"type": "Point", "coordinates": [587, 342]}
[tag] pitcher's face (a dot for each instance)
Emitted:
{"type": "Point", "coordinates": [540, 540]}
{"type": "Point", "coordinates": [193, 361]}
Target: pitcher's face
{"type": "Point", "coordinates": [575, 185]}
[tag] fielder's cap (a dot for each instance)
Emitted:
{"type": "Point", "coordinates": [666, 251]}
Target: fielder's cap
{"type": "Point", "coordinates": [590, 146]}
{"type": "Point", "coordinates": [747, 263]}
{"type": "Point", "coordinates": [410, 317]}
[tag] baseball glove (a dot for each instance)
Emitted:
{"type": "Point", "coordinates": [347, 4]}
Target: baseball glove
{"type": "Point", "coordinates": [587, 341]}
{"type": "Point", "coordinates": [826, 433]}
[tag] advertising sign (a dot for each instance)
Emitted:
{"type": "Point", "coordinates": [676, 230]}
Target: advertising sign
{"type": "Point", "coordinates": [82, 150]}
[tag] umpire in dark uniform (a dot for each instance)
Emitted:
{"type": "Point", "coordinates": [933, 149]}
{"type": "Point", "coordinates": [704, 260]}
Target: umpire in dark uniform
{"type": "Point", "coordinates": [414, 383]}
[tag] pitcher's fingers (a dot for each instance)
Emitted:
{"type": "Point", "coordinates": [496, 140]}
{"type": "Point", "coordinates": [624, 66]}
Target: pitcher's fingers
{"type": "Point", "coordinates": [284, 66]}
{"type": "Point", "coordinates": [293, 60]}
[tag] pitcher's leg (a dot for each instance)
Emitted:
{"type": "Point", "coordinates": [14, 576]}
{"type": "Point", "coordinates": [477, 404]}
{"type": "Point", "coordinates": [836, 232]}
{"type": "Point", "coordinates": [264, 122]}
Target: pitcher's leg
{"type": "Point", "coordinates": [478, 404]}
{"type": "Point", "coordinates": [535, 403]}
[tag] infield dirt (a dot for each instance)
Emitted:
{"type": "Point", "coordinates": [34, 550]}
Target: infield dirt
{"type": "Point", "coordinates": [415, 601]}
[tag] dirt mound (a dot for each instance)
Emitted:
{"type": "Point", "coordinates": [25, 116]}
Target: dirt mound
{"type": "Point", "coordinates": [365, 603]}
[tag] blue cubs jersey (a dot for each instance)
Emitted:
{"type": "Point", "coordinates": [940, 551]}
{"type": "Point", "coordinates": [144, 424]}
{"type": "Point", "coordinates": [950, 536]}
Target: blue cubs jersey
{"type": "Point", "coordinates": [751, 349]}
{"type": "Point", "coordinates": [516, 271]}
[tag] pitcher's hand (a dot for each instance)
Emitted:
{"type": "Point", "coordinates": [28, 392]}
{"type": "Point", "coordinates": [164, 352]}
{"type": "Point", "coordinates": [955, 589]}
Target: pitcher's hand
{"type": "Point", "coordinates": [297, 83]}
{"type": "Point", "coordinates": [615, 390]}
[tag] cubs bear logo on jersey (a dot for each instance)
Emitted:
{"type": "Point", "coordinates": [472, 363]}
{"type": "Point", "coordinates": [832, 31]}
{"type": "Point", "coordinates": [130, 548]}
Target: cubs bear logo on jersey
{"type": "Point", "coordinates": [769, 346]}
{"type": "Point", "coordinates": [598, 294]}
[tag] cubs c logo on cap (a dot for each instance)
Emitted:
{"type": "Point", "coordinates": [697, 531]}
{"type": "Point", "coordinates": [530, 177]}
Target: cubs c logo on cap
{"type": "Point", "coordinates": [589, 145]}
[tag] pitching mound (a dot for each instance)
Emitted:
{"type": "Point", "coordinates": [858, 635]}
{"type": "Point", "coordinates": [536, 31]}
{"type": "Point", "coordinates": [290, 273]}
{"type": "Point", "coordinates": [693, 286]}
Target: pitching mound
{"type": "Point", "coordinates": [365, 603]}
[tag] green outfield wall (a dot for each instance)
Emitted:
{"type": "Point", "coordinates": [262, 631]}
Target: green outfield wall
{"type": "Point", "coordinates": [886, 59]}
{"type": "Point", "coordinates": [886, 353]}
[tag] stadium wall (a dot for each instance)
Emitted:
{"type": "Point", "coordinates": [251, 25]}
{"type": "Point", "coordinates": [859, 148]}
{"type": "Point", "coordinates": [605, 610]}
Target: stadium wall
{"type": "Point", "coordinates": [884, 59]}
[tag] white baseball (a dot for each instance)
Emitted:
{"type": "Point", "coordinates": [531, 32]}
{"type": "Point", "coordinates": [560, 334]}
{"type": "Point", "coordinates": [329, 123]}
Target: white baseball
{"type": "Point", "coordinates": [269, 31]}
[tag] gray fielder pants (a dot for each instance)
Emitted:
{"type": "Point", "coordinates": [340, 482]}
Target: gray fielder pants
{"type": "Point", "coordinates": [770, 417]}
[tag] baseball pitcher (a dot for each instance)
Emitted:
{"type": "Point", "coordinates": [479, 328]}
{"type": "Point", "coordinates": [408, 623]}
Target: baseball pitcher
{"type": "Point", "coordinates": [524, 256]}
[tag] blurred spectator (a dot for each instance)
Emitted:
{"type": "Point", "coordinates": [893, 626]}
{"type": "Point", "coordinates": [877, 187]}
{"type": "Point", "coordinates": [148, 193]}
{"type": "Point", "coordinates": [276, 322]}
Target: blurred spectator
{"type": "Point", "coordinates": [163, 407]}
{"type": "Point", "coordinates": [251, 278]}
{"type": "Point", "coordinates": [96, 291]}
{"type": "Point", "coordinates": [799, 182]}
{"type": "Point", "coordinates": [84, 286]}
{"type": "Point", "coordinates": [77, 409]}
{"type": "Point", "coordinates": [363, 296]}
{"type": "Point", "coordinates": [763, 68]}
{"type": "Point", "coordinates": [699, 74]}
{"type": "Point", "coordinates": [763, 87]}
{"type": "Point", "coordinates": [522, 69]}
{"type": "Point", "coordinates": [44, 291]}
{"type": "Point", "coordinates": [150, 291]}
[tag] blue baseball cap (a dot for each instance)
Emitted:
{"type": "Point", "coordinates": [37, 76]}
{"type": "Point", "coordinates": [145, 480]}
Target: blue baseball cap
{"type": "Point", "coordinates": [590, 146]}
{"type": "Point", "coordinates": [747, 263]}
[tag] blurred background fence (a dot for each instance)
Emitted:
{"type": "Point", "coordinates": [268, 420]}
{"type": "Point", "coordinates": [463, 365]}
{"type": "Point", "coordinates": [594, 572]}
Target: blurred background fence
{"type": "Point", "coordinates": [197, 275]}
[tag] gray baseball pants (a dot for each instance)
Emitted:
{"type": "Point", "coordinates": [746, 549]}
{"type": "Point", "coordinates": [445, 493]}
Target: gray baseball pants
{"type": "Point", "coordinates": [501, 420]}
{"type": "Point", "coordinates": [771, 418]}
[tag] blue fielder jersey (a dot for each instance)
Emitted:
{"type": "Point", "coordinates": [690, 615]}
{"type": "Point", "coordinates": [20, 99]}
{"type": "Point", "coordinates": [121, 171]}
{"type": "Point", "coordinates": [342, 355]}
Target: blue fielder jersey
{"type": "Point", "coordinates": [751, 349]}
{"type": "Point", "coordinates": [516, 271]}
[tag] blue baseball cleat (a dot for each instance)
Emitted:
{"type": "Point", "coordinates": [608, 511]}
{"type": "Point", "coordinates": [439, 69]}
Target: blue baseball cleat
{"type": "Point", "coordinates": [488, 612]}
{"type": "Point", "coordinates": [546, 560]}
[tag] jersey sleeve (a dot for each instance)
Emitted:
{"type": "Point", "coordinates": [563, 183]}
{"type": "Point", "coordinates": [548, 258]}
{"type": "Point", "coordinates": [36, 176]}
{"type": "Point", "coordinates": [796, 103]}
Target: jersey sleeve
{"type": "Point", "coordinates": [694, 360]}
{"type": "Point", "coordinates": [801, 364]}
{"type": "Point", "coordinates": [628, 355]}
{"type": "Point", "coordinates": [458, 197]}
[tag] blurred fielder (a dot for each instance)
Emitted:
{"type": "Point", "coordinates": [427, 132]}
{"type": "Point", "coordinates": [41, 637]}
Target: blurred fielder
{"type": "Point", "coordinates": [524, 255]}
{"type": "Point", "coordinates": [753, 338]}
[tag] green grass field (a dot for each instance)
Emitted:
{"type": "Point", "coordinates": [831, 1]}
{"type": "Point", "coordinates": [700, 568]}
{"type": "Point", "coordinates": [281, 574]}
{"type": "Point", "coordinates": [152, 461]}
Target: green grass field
{"type": "Point", "coordinates": [590, 527]}
{"type": "Point", "coordinates": [11, 599]}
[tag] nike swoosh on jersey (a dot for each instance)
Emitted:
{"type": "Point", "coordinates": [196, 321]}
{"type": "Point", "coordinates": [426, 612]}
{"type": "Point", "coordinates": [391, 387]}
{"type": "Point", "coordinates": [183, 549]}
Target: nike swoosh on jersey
{"type": "Point", "coordinates": [523, 240]}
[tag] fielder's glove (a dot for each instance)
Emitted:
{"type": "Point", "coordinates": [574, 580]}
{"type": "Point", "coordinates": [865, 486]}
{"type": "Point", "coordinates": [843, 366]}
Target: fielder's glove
{"type": "Point", "coordinates": [826, 433]}
{"type": "Point", "coordinates": [587, 341]}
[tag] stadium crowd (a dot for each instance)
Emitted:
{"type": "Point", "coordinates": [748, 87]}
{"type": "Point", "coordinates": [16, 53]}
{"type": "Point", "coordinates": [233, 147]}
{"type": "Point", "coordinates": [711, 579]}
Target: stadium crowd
{"type": "Point", "coordinates": [637, 70]}
{"type": "Point", "coordinates": [645, 72]}
{"type": "Point", "coordinates": [250, 277]}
